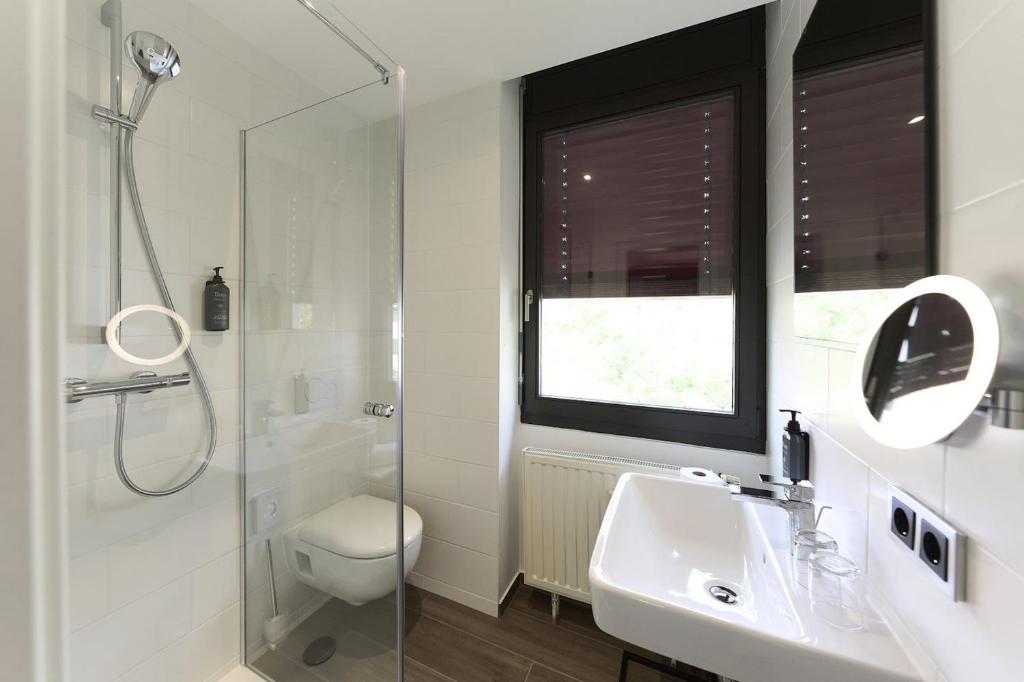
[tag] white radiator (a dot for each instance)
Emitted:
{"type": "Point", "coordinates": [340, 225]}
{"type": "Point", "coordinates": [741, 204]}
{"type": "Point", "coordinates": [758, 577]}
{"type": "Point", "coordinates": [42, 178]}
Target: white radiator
{"type": "Point", "coordinates": [565, 495]}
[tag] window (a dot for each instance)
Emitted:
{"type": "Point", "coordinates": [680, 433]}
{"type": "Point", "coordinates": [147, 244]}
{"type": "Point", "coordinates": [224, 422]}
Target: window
{"type": "Point", "coordinates": [644, 239]}
{"type": "Point", "coordinates": [636, 238]}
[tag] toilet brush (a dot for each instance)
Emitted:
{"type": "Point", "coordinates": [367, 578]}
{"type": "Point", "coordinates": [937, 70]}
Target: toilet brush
{"type": "Point", "coordinates": [274, 627]}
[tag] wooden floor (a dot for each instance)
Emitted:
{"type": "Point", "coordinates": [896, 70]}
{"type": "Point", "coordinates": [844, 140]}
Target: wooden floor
{"type": "Point", "coordinates": [448, 641]}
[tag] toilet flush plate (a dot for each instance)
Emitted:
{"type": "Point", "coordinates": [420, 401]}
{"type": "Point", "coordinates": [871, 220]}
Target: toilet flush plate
{"type": "Point", "coordinates": [267, 511]}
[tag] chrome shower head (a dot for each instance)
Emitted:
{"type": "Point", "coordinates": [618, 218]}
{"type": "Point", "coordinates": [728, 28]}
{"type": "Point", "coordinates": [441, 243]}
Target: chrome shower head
{"type": "Point", "coordinates": [156, 61]}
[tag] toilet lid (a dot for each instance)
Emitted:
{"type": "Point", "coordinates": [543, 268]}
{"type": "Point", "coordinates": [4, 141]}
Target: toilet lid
{"type": "Point", "coordinates": [360, 527]}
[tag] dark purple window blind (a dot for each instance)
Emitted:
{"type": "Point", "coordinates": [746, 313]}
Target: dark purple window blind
{"type": "Point", "coordinates": [859, 176]}
{"type": "Point", "coordinates": [640, 206]}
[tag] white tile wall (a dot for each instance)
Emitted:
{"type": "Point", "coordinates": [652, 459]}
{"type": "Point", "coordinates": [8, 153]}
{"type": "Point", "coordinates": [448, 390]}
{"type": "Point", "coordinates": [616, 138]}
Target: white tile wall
{"type": "Point", "coordinates": [510, 167]}
{"type": "Point", "coordinates": [452, 245]}
{"type": "Point", "coordinates": [971, 479]}
{"type": "Point", "coordinates": [154, 582]}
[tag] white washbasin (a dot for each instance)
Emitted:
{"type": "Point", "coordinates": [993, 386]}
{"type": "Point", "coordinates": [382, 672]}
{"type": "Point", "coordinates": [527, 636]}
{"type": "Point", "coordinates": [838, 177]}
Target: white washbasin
{"type": "Point", "coordinates": [666, 543]}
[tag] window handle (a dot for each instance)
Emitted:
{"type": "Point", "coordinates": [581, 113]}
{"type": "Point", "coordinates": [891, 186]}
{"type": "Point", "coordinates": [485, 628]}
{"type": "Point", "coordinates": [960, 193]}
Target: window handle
{"type": "Point", "coordinates": [527, 302]}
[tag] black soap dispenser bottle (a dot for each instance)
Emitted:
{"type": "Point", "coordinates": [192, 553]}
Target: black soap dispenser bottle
{"type": "Point", "coordinates": [216, 303]}
{"type": "Point", "coordinates": [796, 450]}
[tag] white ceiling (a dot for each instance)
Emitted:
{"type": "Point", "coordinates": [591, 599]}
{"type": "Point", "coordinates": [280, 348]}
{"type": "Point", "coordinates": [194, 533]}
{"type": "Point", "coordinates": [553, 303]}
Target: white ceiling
{"type": "Point", "coordinates": [448, 46]}
{"type": "Point", "coordinates": [283, 33]}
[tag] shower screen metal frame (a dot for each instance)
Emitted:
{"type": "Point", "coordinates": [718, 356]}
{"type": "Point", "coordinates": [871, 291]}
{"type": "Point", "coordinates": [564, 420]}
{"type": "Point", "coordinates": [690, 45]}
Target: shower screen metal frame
{"type": "Point", "coordinates": [387, 78]}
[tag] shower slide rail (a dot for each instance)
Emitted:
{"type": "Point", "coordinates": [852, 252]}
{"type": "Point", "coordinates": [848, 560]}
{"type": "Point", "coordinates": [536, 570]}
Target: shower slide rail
{"type": "Point", "coordinates": [157, 62]}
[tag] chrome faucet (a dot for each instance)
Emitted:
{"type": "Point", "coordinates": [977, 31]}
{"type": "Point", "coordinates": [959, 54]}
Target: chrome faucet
{"type": "Point", "coordinates": [793, 496]}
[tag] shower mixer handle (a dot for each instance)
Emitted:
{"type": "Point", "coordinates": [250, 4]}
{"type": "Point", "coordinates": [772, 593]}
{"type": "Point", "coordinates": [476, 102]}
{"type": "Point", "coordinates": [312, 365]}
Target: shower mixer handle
{"type": "Point", "coordinates": [76, 390]}
{"type": "Point", "coordinates": [378, 409]}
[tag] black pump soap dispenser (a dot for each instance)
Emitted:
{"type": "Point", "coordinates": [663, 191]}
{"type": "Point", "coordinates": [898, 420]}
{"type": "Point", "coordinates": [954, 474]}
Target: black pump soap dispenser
{"type": "Point", "coordinates": [216, 303]}
{"type": "Point", "coordinates": [796, 450]}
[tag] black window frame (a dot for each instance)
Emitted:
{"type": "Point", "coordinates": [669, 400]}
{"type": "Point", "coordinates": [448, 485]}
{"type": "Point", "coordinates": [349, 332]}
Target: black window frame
{"type": "Point", "coordinates": [725, 55]}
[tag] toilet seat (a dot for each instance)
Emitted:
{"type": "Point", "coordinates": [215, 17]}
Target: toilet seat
{"type": "Point", "coordinates": [360, 527]}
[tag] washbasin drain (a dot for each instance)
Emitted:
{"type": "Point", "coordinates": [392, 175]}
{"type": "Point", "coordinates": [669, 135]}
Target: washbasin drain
{"type": "Point", "coordinates": [723, 594]}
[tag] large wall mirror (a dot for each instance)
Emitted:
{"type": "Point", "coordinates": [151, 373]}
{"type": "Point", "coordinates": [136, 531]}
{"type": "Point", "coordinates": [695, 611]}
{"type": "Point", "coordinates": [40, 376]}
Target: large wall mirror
{"type": "Point", "coordinates": [864, 162]}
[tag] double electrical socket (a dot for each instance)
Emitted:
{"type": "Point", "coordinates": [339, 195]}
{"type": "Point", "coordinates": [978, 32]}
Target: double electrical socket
{"type": "Point", "coordinates": [939, 546]}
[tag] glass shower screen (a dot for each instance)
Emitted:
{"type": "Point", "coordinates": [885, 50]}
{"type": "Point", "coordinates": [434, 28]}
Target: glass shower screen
{"type": "Point", "coordinates": [322, 334]}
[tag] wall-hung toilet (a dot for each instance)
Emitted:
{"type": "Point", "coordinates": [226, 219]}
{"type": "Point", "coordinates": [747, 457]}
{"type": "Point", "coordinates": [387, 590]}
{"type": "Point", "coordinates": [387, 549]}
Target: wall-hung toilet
{"type": "Point", "coordinates": [348, 550]}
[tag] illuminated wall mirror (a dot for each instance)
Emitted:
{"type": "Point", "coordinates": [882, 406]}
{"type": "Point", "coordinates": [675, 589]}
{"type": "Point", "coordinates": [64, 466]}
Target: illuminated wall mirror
{"type": "Point", "coordinates": [864, 165]}
{"type": "Point", "coordinates": [928, 363]}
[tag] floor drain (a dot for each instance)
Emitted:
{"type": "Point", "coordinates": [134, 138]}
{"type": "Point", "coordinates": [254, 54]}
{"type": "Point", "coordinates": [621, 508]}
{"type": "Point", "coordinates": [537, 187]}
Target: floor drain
{"type": "Point", "coordinates": [319, 651]}
{"type": "Point", "coordinates": [723, 594]}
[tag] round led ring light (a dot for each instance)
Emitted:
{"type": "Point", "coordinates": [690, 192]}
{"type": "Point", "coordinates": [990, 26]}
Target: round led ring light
{"type": "Point", "coordinates": [934, 426]}
{"type": "Point", "coordinates": [119, 351]}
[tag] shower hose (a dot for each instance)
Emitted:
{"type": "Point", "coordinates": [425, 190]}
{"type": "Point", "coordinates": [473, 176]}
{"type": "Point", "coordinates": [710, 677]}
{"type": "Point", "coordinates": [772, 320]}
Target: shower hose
{"type": "Point", "coordinates": [197, 375]}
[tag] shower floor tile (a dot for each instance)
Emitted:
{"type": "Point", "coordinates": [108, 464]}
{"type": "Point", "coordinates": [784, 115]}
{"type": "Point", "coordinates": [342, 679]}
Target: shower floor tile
{"type": "Point", "coordinates": [446, 641]}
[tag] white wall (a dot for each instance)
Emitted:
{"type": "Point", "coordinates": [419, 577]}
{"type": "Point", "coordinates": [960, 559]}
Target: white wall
{"type": "Point", "coordinates": [972, 479]}
{"type": "Point", "coordinates": [33, 563]}
{"type": "Point", "coordinates": [509, 463]}
{"type": "Point", "coordinates": [154, 582]}
{"type": "Point", "coordinates": [455, 449]}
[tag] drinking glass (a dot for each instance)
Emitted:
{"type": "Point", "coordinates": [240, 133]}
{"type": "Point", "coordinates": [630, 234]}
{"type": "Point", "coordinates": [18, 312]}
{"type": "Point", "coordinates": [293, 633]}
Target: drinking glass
{"type": "Point", "coordinates": [806, 543]}
{"type": "Point", "coordinates": [837, 590]}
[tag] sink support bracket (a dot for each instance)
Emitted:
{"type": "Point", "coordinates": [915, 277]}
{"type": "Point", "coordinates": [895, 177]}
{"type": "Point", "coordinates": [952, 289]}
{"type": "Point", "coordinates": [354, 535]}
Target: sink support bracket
{"type": "Point", "coordinates": [678, 671]}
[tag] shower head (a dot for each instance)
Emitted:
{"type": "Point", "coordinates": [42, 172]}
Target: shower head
{"type": "Point", "coordinates": [156, 61]}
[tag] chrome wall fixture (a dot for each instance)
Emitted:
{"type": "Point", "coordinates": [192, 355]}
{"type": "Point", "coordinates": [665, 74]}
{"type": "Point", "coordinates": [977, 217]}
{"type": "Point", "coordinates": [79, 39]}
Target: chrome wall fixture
{"type": "Point", "coordinates": [378, 409]}
{"type": "Point", "coordinates": [157, 62]}
{"type": "Point", "coordinates": [1006, 408]}
{"type": "Point", "coordinates": [76, 390]}
{"type": "Point", "coordinates": [110, 16]}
